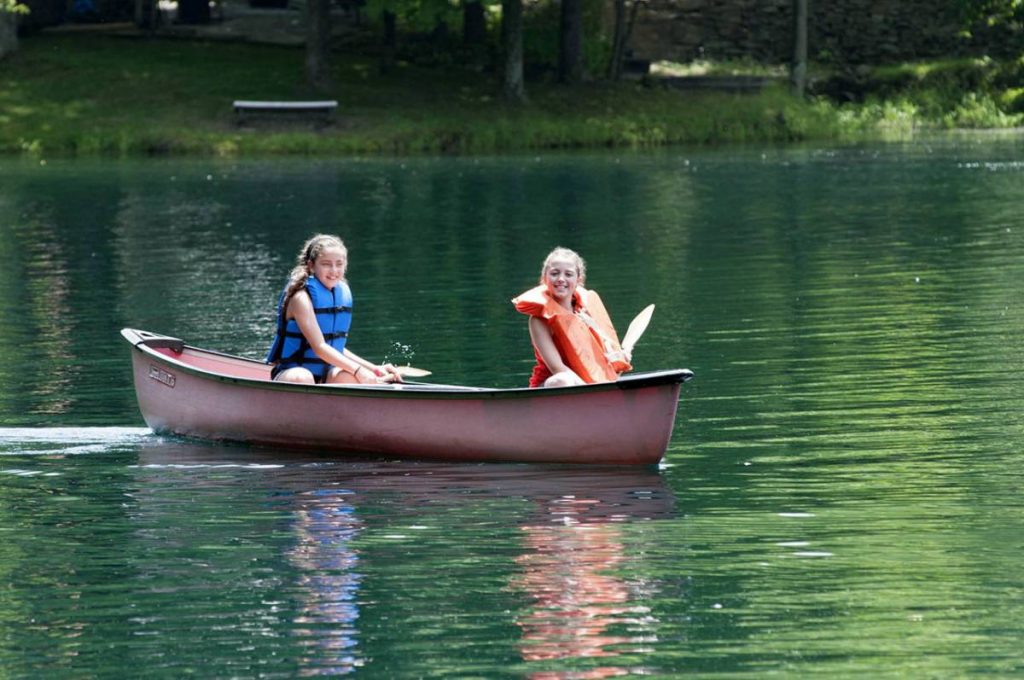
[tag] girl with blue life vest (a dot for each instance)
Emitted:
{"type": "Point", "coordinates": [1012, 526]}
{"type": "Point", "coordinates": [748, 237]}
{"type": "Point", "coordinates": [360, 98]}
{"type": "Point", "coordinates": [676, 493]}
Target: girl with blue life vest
{"type": "Point", "coordinates": [573, 338]}
{"type": "Point", "coordinates": [314, 315]}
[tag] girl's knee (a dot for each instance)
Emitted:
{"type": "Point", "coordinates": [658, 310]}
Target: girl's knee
{"type": "Point", "coordinates": [297, 375]}
{"type": "Point", "coordinates": [563, 379]}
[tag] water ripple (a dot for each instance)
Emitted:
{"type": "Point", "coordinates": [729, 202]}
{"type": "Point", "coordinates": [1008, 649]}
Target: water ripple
{"type": "Point", "coordinates": [37, 441]}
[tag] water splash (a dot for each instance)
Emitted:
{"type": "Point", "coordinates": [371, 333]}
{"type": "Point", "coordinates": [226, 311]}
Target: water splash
{"type": "Point", "coordinates": [399, 353]}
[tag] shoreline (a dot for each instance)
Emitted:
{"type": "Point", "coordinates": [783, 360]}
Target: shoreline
{"type": "Point", "coordinates": [88, 91]}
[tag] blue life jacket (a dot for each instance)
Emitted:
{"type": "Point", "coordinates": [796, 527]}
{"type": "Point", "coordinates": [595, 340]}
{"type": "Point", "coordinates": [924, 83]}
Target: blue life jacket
{"type": "Point", "coordinates": [333, 309]}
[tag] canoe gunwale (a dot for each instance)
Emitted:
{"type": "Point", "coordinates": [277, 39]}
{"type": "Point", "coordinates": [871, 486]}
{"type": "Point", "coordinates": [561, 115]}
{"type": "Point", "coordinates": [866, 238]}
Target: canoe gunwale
{"type": "Point", "coordinates": [146, 343]}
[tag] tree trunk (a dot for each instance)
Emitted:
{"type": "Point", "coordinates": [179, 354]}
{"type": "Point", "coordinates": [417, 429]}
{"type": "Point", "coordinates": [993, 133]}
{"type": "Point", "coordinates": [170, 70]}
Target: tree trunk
{"type": "Point", "coordinates": [513, 85]}
{"type": "Point", "coordinates": [8, 33]}
{"type": "Point", "coordinates": [387, 55]}
{"type": "Point", "coordinates": [798, 69]}
{"type": "Point", "coordinates": [623, 30]}
{"type": "Point", "coordinates": [474, 23]}
{"type": "Point", "coordinates": [318, 44]}
{"type": "Point", "coordinates": [570, 52]}
{"type": "Point", "coordinates": [618, 41]}
{"type": "Point", "coordinates": [145, 14]}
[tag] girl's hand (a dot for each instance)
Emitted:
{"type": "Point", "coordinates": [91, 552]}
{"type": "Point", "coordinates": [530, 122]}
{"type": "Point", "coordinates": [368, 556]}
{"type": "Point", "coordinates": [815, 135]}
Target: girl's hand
{"type": "Point", "coordinates": [620, 356]}
{"type": "Point", "coordinates": [369, 375]}
{"type": "Point", "coordinates": [388, 373]}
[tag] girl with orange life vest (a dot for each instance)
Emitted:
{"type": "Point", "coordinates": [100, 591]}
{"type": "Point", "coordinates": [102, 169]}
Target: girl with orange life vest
{"type": "Point", "coordinates": [573, 337]}
{"type": "Point", "coordinates": [314, 315]}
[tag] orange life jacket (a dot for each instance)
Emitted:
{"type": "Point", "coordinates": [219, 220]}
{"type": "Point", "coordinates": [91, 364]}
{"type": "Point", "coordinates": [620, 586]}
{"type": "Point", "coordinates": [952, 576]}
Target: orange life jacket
{"type": "Point", "coordinates": [582, 346]}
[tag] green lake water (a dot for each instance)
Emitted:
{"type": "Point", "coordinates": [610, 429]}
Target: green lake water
{"type": "Point", "coordinates": [841, 496]}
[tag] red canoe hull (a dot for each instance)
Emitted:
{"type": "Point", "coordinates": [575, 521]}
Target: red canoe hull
{"type": "Point", "coordinates": [191, 392]}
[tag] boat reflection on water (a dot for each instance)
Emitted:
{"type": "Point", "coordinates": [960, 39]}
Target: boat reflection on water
{"type": "Point", "coordinates": [570, 573]}
{"type": "Point", "coordinates": [325, 527]}
{"type": "Point", "coordinates": [576, 543]}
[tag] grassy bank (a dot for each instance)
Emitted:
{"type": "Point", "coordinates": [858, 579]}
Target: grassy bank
{"type": "Point", "coordinates": [93, 94]}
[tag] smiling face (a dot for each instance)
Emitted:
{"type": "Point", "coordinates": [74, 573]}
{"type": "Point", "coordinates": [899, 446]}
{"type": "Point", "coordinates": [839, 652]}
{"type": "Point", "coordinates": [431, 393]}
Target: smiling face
{"type": "Point", "coordinates": [561, 278]}
{"type": "Point", "coordinates": [329, 266]}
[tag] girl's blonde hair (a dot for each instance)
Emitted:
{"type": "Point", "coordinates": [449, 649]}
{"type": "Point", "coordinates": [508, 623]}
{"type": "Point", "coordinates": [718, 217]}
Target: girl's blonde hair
{"type": "Point", "coordinates": [302, 270]}
{"type": "Point", "coordinates": [565, 255]}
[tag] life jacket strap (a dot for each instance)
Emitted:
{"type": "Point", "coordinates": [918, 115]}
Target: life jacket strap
{"type": "Point", "coordinates": [331, 310]}
{"type": "Point", "coordinates": [327, 336]}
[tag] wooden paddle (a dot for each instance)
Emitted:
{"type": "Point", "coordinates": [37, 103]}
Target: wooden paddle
{"type": "Point", "coordinates": [636, 328]}
{"type": "Point", "coordinates": [412, 372]}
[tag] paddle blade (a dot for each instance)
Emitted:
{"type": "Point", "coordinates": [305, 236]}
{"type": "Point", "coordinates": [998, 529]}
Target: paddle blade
{"type": "Point", "coordinates": [637, 327]}
{"type": "Point", "coordinates": [412, 372]}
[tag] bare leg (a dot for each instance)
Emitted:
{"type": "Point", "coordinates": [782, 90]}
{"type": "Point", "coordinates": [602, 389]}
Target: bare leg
{"type": "Point", "coordinates": [563, 379]}
{"type": "Point", "coordinates": [297, 374]}
{"type": "Point", "coordinates": [337, 376]}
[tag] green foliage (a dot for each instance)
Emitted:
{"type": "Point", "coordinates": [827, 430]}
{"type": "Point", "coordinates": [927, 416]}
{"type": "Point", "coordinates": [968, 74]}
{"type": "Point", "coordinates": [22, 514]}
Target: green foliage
{"type": "Point", "coordinates": [424, 41]}
{"type": "Point", "coordinates": [980, 111]}
{"type": "Point", "coordinates": [541, 37]}
{"type": "Point", "coordinates": [888, 119]}
{"type": "Point", "coordinates": [1012, 100]}
{"type": "Point", "coordinates": [966, 92]}
{"type": "Point", "coordinates": [13, 6]}
{"type": "Point", "coordinates": [417, 16]}
{"type": "Point", "coordinates": [86, 94]}
{"type": "Point", "coordinates": [989, 12]}
{"type": "Point", "coordinates": [997, 26]}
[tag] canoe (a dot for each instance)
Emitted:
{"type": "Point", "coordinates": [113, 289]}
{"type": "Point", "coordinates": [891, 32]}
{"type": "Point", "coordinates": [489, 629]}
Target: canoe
{"type": "Point", "coordinates": [192, 392]}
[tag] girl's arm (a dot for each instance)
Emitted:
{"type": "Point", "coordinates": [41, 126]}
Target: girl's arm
{"type": "Point", "coordinates": [386, 371]}
{"type": "Point", "coordinates": [300, 308]}
{"type": "Point", "coordinates": [545, 344]}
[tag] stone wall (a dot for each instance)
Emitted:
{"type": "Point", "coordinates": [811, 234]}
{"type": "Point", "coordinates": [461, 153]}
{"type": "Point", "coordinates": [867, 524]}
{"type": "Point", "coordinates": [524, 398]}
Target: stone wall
{"type": "Point", "coordinates": [851, 31]}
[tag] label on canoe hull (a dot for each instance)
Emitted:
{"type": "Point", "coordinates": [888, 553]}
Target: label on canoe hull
{"type": "Point", "coordinates": [161, 376]}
